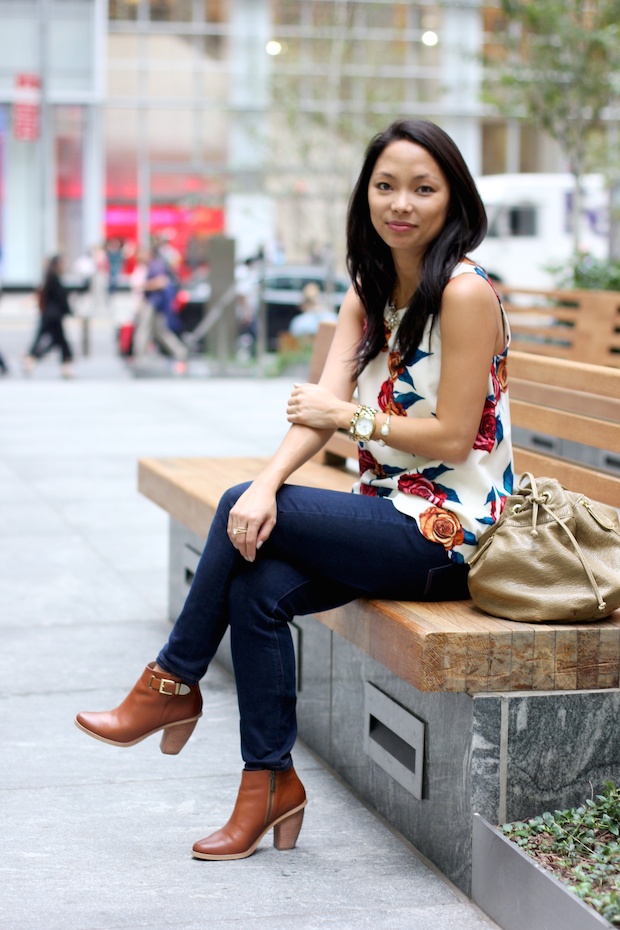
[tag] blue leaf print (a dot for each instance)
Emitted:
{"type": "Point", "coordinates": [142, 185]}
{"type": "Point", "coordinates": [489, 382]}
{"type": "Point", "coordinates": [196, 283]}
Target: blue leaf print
{"type": "Point", "coordinates": [417, 357]}
{"type": "Point", "coordinates": [491, 496]}
{"type": "Point", "coordinates": [456, 557]}
{"type": "Point", "coordinates": [508, 480]}
{"type": "Point", "coordinates": [407, 400]}
{"type": "Point", "coordinates": [406, 376]}
{"type": "Point", "coordinates": [450, 493]}
{"type": "Point", "coordinates": [469, 539]}
{"type": "Point", "coordinates": [499, 430]}
{"type": "Point", "coordinates": [435, 471]}
{"type": "Point", "coordinates": [391, 470]}
{"type": "Point", "coordinates": [488, 521]}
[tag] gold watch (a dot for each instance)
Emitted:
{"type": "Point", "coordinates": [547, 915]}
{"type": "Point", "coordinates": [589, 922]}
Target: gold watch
{"type": "Point", "coordinates": [362, 424]}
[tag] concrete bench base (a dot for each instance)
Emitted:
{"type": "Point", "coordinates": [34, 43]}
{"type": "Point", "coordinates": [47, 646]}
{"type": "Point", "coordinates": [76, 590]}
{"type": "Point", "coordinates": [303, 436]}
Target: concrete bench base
{"type": "Point", "coordinates": [428, 761]}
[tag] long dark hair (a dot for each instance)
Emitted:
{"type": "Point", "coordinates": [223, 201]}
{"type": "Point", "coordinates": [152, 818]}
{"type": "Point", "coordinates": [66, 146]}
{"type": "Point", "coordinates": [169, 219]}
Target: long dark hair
{"type": "Point", "coordinates": [51, 275]}
{"type": "Point", "coordinates": [369, 259]}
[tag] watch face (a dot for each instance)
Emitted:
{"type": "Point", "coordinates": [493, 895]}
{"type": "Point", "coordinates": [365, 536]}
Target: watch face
{"type": "Point", "coordinates": [365, 427]}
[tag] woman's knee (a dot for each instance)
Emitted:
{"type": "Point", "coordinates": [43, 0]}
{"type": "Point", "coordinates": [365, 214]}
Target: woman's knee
{"type": "Point", "coordinates": [230, 497]}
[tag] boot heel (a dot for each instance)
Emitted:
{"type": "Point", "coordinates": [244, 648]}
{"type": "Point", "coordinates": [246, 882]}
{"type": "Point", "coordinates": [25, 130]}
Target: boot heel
{"type": "Point", "coordinates": [175, 737]}
{"type": "Point", "coordinates": [286, 832]}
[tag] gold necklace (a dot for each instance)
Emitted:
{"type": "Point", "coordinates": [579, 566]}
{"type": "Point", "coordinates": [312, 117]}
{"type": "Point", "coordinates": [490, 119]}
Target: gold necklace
{"type": "Point", "coordinates": [391, 320]}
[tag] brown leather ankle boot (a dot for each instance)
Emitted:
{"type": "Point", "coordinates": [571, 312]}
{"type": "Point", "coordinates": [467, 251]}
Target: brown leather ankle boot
{"type": "Point", "coordinates": [158, 701]}
{"type": "Point", "coordinates": [266, 799]}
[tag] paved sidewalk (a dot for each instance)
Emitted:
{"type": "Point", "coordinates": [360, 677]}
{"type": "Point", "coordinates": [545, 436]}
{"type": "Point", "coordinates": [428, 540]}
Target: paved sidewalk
{"type": "Point", "coordinates": [99, 838]}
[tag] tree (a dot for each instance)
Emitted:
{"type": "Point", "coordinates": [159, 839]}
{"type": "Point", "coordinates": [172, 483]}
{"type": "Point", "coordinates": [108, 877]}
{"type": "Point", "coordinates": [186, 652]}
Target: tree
{"type": "Point", "coordinates": [333, 87]}
{"type": "Point", "coordinates": [561, 70]}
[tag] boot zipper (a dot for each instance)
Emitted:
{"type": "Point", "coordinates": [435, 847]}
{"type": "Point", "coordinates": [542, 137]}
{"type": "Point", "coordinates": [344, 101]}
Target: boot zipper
{"type": "Point", "coordinates": [272, 789]}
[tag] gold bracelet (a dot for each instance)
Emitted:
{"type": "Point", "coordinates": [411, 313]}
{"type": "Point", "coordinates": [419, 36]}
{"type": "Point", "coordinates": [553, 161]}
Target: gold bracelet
{"type": "Point", "coordinates": [362, 424]}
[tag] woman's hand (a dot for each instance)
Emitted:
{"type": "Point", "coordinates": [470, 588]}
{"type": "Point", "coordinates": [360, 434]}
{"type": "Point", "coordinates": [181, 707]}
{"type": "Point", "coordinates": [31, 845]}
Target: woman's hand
{"type": "Point", "coordinates": [315, 406]}
{"type": "Point", "coordinates": [253, 517]}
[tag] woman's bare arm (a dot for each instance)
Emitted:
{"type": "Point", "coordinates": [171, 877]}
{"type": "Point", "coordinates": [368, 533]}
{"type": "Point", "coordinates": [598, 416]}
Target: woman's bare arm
{"type": "Point", "coordinates": [256, 508]}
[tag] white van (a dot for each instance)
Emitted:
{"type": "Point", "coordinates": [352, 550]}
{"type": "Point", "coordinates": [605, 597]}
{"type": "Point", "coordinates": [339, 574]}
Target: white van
{"type": "Point", "coordinates": [530, 225]}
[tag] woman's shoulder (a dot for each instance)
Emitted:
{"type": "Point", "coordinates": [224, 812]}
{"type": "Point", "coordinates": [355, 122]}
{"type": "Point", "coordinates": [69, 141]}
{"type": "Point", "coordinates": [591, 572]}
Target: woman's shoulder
{"type": "Point", "coordinates": [467, 266]}
{"type": "Point", "coordinates": [468, 278]}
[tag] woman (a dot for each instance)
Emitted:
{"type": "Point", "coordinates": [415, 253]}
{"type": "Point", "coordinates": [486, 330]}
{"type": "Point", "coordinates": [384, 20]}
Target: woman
{"type": "Point", "coordinates": [54, 306]}
{"type": "Point", "coordinates": [422, 335]}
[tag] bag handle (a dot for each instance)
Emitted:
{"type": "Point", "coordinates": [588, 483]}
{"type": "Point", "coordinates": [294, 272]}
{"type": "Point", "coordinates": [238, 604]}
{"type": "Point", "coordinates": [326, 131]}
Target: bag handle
{"type": "Point", "coordinates": [541, 500]}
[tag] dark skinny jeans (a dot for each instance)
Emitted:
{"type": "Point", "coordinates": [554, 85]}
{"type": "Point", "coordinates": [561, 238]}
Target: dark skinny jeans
{"type": "Point", "coordinates": [326, 549]}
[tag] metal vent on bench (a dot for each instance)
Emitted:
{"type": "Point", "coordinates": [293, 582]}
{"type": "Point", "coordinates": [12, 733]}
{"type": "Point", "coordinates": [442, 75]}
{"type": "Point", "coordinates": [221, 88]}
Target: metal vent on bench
{"type": "Point", "coordinates": [394, 739]}
{"type": "Point", "coordinates": [191, 558]}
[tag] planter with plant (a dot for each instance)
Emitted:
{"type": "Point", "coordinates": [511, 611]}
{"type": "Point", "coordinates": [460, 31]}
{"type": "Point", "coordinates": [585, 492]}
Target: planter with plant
{"type": "Point", "coordinates": [558, 870]}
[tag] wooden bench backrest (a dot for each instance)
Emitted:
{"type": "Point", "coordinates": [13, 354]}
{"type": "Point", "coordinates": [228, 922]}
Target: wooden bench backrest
{"type": "Point", "coordinates": [555, 397]}
{"type": "Point", "coordinates": [582, 326]}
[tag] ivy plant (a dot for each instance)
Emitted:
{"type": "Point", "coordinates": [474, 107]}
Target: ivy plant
{"type": "Point", "coordinates": [581, 847]}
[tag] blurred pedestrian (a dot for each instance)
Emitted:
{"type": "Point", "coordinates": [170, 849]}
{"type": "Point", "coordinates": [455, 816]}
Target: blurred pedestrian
{"type": "Point", "coordinates": [247, 279]}
{"type": "Point", "coordinates": [54, 307]}
{"type": "Point", "coordinates": [4, 368]}
{"type": "Point", "coordinates": [114, 252]}
{"type": "Point", "coordinates": [84, 269]}
{"type": "Point", "coordinates": [314, 311]}
{"type": "Point", "coordinates": [157, 319]}
{"type": "Point", "coordinates": [99, 282]}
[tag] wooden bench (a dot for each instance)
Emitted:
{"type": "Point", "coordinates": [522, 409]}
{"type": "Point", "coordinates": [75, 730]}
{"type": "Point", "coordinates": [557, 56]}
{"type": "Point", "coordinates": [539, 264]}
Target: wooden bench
{"type": "Point", "coordinates": [579, 325]}
{"type": "Point", "coordinates": [425, 659]}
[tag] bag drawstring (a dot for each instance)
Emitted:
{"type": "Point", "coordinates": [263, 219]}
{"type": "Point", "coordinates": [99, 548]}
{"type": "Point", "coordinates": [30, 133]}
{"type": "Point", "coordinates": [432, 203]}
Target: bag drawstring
{"type": "Point", "coordinates": [540, 500]}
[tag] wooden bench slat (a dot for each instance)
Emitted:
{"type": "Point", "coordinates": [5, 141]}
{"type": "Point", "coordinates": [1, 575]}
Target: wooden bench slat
{"type": "Point", "coordinates": [565, 425]}
{"type": "Point", "coordinates": [578, 325]}
{"type": "Point", "coordinates": [191, 495]}
{"type": "Point", "coordinates": [418, 643]}
{"type": "Point", "coordinates": [559, 398]}
{"type": "Point", "coordinates": [562, 373]}
{"type": "Point", "coordinates": [592, 483]}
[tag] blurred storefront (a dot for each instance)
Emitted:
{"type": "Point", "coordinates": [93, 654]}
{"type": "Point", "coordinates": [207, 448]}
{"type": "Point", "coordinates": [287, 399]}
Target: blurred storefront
{"type": "Point", "coordinates": [51, 94]}
{"type": "Point", "coordinates": [120, 119]}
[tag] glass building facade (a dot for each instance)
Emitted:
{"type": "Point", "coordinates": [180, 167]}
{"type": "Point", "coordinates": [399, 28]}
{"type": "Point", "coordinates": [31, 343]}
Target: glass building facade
{"type": "Point", "coordinates": [51, 152]}
{"type": "Point", "coordinates": [244, 117]}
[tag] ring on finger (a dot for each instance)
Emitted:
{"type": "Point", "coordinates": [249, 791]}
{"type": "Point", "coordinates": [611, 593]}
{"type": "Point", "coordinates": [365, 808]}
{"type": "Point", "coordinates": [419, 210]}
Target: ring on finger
{"type": "Point", "coordinates": [239, 529]}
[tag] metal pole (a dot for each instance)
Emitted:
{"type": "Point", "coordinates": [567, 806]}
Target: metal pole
{"type": "Point", "coordinates": [45, 137]}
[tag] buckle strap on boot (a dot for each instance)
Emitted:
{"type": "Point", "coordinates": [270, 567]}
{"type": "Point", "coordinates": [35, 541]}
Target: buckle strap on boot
{"type": "Point", "coordinates": [168, 686]}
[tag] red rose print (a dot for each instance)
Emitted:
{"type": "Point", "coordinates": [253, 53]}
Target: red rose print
{"type": "Point", "coordinates": [486, 431]}
{"type": "Point", "coordinates": [422, 487]}
{"type": "Point", "coordinates": [386, 395]}
{"type": "Point", "coordinates": [366, 490]}
{"type": "Point", "coordinates": [367, 462]}
{"type": "Point", "coordinates": [497, 390]}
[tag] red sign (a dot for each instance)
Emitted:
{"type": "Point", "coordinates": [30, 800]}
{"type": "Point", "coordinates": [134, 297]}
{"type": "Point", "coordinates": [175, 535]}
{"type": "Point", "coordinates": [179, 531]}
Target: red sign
{"type": "Point", "coordinates": [27, 107]}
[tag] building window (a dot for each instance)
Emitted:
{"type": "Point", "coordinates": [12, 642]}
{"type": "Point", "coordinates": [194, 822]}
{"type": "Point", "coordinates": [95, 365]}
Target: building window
{"type": "Point", "coordinates": [124, 9]}
{"type": "Point", "coordinates": [518, 221]}
{"type": "Point", "coordinates": [171, 11]}
{"type": "Point", "coordinates": [216, 11]}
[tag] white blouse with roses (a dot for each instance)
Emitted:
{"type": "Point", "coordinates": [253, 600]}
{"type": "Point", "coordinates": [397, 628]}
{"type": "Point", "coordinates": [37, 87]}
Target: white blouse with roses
{"type": "Point", "coordinates": [453, 504]}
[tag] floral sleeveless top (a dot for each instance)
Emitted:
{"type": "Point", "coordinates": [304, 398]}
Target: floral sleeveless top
{"type": "Point", "coordinates": [453, 504]}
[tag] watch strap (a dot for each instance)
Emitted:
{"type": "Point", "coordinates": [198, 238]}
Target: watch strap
{"type": "Point", "coordinates": [362, 411]}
